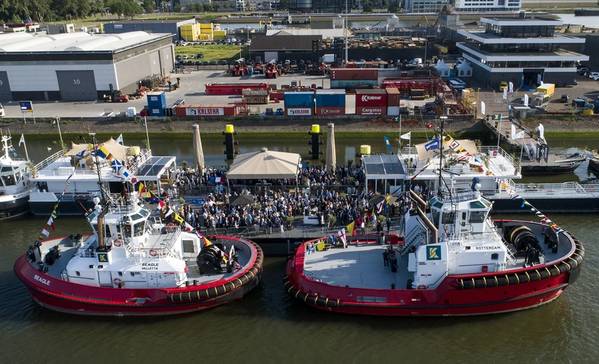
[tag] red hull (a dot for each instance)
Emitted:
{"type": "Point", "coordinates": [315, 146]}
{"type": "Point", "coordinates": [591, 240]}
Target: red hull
{"type": "Point", "coordinates": [64, 296]}
{"type": "Point", "coordinates": [455, 296]}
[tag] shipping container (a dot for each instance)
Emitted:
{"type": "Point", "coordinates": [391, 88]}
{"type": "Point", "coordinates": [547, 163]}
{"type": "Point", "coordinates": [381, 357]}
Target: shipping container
{"type": "Point", "coordinates": [333, 98]}
{"type": "Point", "coordinates": [207, 110]}
{"type": "Point", "coordinates": [255, 97]}
{"type": "Point", "coordinates": [329, 110]}
{"type": "Point", "coordinates": [354, 74]}
{"type": "Point", "coordinates": [370, 98]}
{"type": "Point", "coordinates": [371, 110]}
{"type": "Point", "coordinates": [393, 110]}
{"type": "Point", "coordinates": [393, 97]}
{"type": "Point", "coordinates": [156, 99]}
{"type": "Point", "coordinates": [303, 99]}
{"type": "Point", "coordinates": [298, 111]}
{"type": "Point", "coordinates": [353, 84]}
{"type": "Point", "coordinates": [233, 88]}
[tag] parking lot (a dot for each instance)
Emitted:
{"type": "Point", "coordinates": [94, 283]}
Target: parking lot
{"type": "Point", "coordinates": [191, 90]}
{"type": "Point", "coordinates": [586, 88]}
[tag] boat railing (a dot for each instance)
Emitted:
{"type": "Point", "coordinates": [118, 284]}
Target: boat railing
{"type": "Point", "coordinates": [46, 162]}
{"type": "Point", "coordinates": [493, 151]}
{"type": "Point", "coordinates": [418, 235]}
{"type": "Point", "coordinates": [555, 188]}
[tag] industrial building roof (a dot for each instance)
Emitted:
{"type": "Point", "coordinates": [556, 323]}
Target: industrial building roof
{"type": "Point", "coordinates": [283, 42]}
{"type": "Point", "coordinates": [74, 42]}
{"type": "Point", "coordinates": [325, 33]}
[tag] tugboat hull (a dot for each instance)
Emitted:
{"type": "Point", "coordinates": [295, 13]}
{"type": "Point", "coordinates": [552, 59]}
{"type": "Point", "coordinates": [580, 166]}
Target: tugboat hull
{"type": "Point", "coordinates": [63, 296]}
{"type": "Point", "coordinates": [457, 295]}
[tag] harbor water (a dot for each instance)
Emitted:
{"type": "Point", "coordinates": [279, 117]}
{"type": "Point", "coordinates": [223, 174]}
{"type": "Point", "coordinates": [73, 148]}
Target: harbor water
{"type": "Point", "coordinates": [267, 326]}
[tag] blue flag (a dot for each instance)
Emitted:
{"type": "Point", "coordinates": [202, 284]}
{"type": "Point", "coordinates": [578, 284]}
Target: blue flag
{"type": "Point", "coordinates": [433, 144]}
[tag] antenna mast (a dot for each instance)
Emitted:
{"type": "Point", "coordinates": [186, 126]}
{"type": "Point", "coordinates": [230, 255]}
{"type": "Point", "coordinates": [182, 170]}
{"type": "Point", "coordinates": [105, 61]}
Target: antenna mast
{"type": "Point", "coordinates": [442, 117]}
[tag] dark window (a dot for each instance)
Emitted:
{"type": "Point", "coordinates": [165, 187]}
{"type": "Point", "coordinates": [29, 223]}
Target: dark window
{"type": "Point", "coordinates": [188, 246]}
{"type": "Point", "coordinates": [494, 256]}
{"type": "Point", "coordinates": [77, 273]}
{"type": "Point", "coordinates": [448, 218]}
{"type": "Point", "coordinates": [477, 216]}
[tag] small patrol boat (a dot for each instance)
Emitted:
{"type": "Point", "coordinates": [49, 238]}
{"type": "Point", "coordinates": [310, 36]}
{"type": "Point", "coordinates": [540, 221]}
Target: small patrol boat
{"type": "Point", "coordinates": [15, 185]}
{"type": "Point", "coordinates": [454, 260]}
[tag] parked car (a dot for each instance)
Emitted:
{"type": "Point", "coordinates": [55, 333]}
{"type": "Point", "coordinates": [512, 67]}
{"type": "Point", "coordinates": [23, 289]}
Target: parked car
{"type": "Point", "coordinates": [594, 76]}
{"type": "Point", "coordinates": [2, 113]}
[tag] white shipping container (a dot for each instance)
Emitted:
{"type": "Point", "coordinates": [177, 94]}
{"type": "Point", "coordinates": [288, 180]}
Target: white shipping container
{"type": "Point", "coordinates": [393, 110]}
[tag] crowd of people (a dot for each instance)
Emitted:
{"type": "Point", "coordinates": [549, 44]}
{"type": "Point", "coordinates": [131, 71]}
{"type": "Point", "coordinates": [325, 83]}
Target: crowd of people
{"type": "Point", "coordinates": [328, 198]}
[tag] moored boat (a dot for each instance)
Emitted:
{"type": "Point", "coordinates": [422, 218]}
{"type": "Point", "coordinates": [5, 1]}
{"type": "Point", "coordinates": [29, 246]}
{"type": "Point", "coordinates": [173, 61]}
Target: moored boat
{"type": "Point", "coordinates": [133, 264]}
{"type": "Point", "coordinates": [15, 185]}
{"type": "Point", "coordinates": [453, 261]}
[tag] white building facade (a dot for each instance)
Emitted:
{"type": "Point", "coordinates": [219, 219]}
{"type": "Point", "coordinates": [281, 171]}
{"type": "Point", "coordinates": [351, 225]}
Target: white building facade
{"type": "Point", "coordinates": [487, 5]}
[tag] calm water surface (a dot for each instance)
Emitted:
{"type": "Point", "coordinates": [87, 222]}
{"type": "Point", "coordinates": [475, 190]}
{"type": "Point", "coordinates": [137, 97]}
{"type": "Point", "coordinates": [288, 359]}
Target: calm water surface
{"type": "Point", "coordinates": [269, 327]}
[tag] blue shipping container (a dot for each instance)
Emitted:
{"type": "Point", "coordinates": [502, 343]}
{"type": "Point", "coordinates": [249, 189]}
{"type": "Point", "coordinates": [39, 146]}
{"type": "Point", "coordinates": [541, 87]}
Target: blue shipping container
{"type": "Point", "coordinates": [298, 99]}
{"type": "Point", "coordinates": [156, 111]}
{"type": "Point", "coordinates": [354, 84]}
{"type": "Point", "coordinates": [335, 99]}
{"type": "Point", "coordinates": [156, 100]}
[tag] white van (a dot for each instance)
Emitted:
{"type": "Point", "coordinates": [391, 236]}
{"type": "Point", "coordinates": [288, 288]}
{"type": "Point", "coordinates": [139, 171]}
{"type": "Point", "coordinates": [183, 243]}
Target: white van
{"type": "Point", "coordinates": [2, 113]}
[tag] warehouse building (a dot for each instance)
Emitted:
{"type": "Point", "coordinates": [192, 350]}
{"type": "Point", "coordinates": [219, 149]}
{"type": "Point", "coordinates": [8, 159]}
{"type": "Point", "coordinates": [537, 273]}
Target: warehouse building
{"type": "Point", "coordinates": [277, 48]}
{"type": "Point", "coordinates": [150, 26]}
{"type": "Point", "coordinates": [80, 66]}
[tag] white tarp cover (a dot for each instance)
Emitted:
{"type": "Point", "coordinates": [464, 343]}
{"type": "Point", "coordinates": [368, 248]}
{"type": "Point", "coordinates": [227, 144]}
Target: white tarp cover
{"type": "Point", "coordinates": [265, 164]}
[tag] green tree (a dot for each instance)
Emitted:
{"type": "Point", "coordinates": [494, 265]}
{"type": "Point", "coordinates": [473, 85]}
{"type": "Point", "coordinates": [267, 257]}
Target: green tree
{"type": "Point", "coordinates": [124, 7]}
{"type": "Point", "coordinates": [149, 6]}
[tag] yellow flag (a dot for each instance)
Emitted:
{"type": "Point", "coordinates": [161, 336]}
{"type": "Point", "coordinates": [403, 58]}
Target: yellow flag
{"type": "Point", "coordinates": [207, 242]}
{"type": "Point", "coordinates": [178, 218]}
{"type": "Point", "coordinates": [350, 228]}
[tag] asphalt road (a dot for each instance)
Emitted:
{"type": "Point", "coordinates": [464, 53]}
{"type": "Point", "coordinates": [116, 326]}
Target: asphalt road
{"type": "Point", "coordinates": [191, 90]}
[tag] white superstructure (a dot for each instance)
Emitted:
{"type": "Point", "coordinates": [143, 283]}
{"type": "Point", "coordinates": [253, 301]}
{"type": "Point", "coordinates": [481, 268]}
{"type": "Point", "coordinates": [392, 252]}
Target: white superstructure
{"type": "Point", "coordinates": [487, 5]}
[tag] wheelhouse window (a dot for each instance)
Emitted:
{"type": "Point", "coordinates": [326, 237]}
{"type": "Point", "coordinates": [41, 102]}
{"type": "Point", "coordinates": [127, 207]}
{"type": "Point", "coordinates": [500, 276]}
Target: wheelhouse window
{"type": "Point", "coordinates": [138, 229]}
{"type": "Point", "coordinates": [8, 180]}
{"type": "Point", "coordinates": [477, 216]}
{"type": "Point", "coordinates": [448, 218]}
{"type": "Point", "coordinates": [188, 246]}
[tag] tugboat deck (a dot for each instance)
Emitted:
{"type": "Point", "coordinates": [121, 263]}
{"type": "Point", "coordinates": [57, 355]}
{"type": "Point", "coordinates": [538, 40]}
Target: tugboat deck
{"type": "Point", "coordinates": [356, 267]}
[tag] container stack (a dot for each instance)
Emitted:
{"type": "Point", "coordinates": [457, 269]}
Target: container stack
{"type": "Point", "coordinates": [393, 104]}
{"type": "Point", "coordinates": [207, 110]}
{"type": "Point", "coordinates": [189, 32]}
{"type": "Point", "coordinates": [218, 33]}
{"type": "Point", "coordinates": [156, 104]}
{"type": "Point", "coordinates": [206, 31]}
{"type": "Point", "coordinates": [200, 32]}
{"type": "Point", "coordinates": [354, 78]}
{"type": "Point", "coordinates": [371, 102]}
{"type": "Point", "coordinates": [299, 103]}
{"type": "Point", "coordinates": [329, 102]}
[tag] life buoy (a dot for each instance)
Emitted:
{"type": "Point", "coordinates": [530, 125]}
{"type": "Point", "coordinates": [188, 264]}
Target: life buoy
{"type": "Point", "coordinates": [117, 282]}
{"type": "Point", "coordinates": [117, 243]}
{"type": "Point", "coordinates": [153, 253]}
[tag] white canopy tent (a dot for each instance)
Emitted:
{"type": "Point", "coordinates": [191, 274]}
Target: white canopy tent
{"type": "Point", "coordinates": [265, 164]}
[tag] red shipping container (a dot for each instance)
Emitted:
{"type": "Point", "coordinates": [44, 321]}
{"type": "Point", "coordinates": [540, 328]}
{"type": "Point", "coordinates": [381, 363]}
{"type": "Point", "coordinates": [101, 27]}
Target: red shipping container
{"type": "Point", "coordinates": [330, 110]}
{"type": "Point", "coordinates": [392, 96]}
{"type": "Point", "coordinates": [370, 98]}
{"type": "Point", "coordinates": [371, 110]}
{"type": "Point", "coordinates": [354, 74]}
{"type": "Point", "coordinates": [206, 110]}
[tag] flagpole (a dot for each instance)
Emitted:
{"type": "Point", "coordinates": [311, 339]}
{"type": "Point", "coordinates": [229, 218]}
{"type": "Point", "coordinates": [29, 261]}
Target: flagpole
{"type": "Point", "coordinates": [25, 147]}
{"type": "Point", "coordinates": [59, 132]}
{"type": "Point", "coordinates": [147, 135]}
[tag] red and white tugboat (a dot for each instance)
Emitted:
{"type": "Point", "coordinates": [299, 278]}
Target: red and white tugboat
{"type": "Point", "coordinates": [454, 261]}
{"type": "Point", "coordinates": [133, 264]}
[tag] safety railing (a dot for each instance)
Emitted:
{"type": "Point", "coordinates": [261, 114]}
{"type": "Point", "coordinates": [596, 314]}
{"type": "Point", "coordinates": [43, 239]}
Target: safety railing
{"type": "Point", "coordinates": [46, 162]}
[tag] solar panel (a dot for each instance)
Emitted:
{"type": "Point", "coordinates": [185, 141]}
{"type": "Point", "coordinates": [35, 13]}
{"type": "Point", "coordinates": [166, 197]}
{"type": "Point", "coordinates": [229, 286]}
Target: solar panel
{"type": "Point", "coordinates": [153, 166]}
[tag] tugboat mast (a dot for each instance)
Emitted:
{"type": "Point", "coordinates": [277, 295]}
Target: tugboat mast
{"type": "Point", "coordinates": [442, 117]}
{"type": "Point", "coordinates": [103, 201]}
